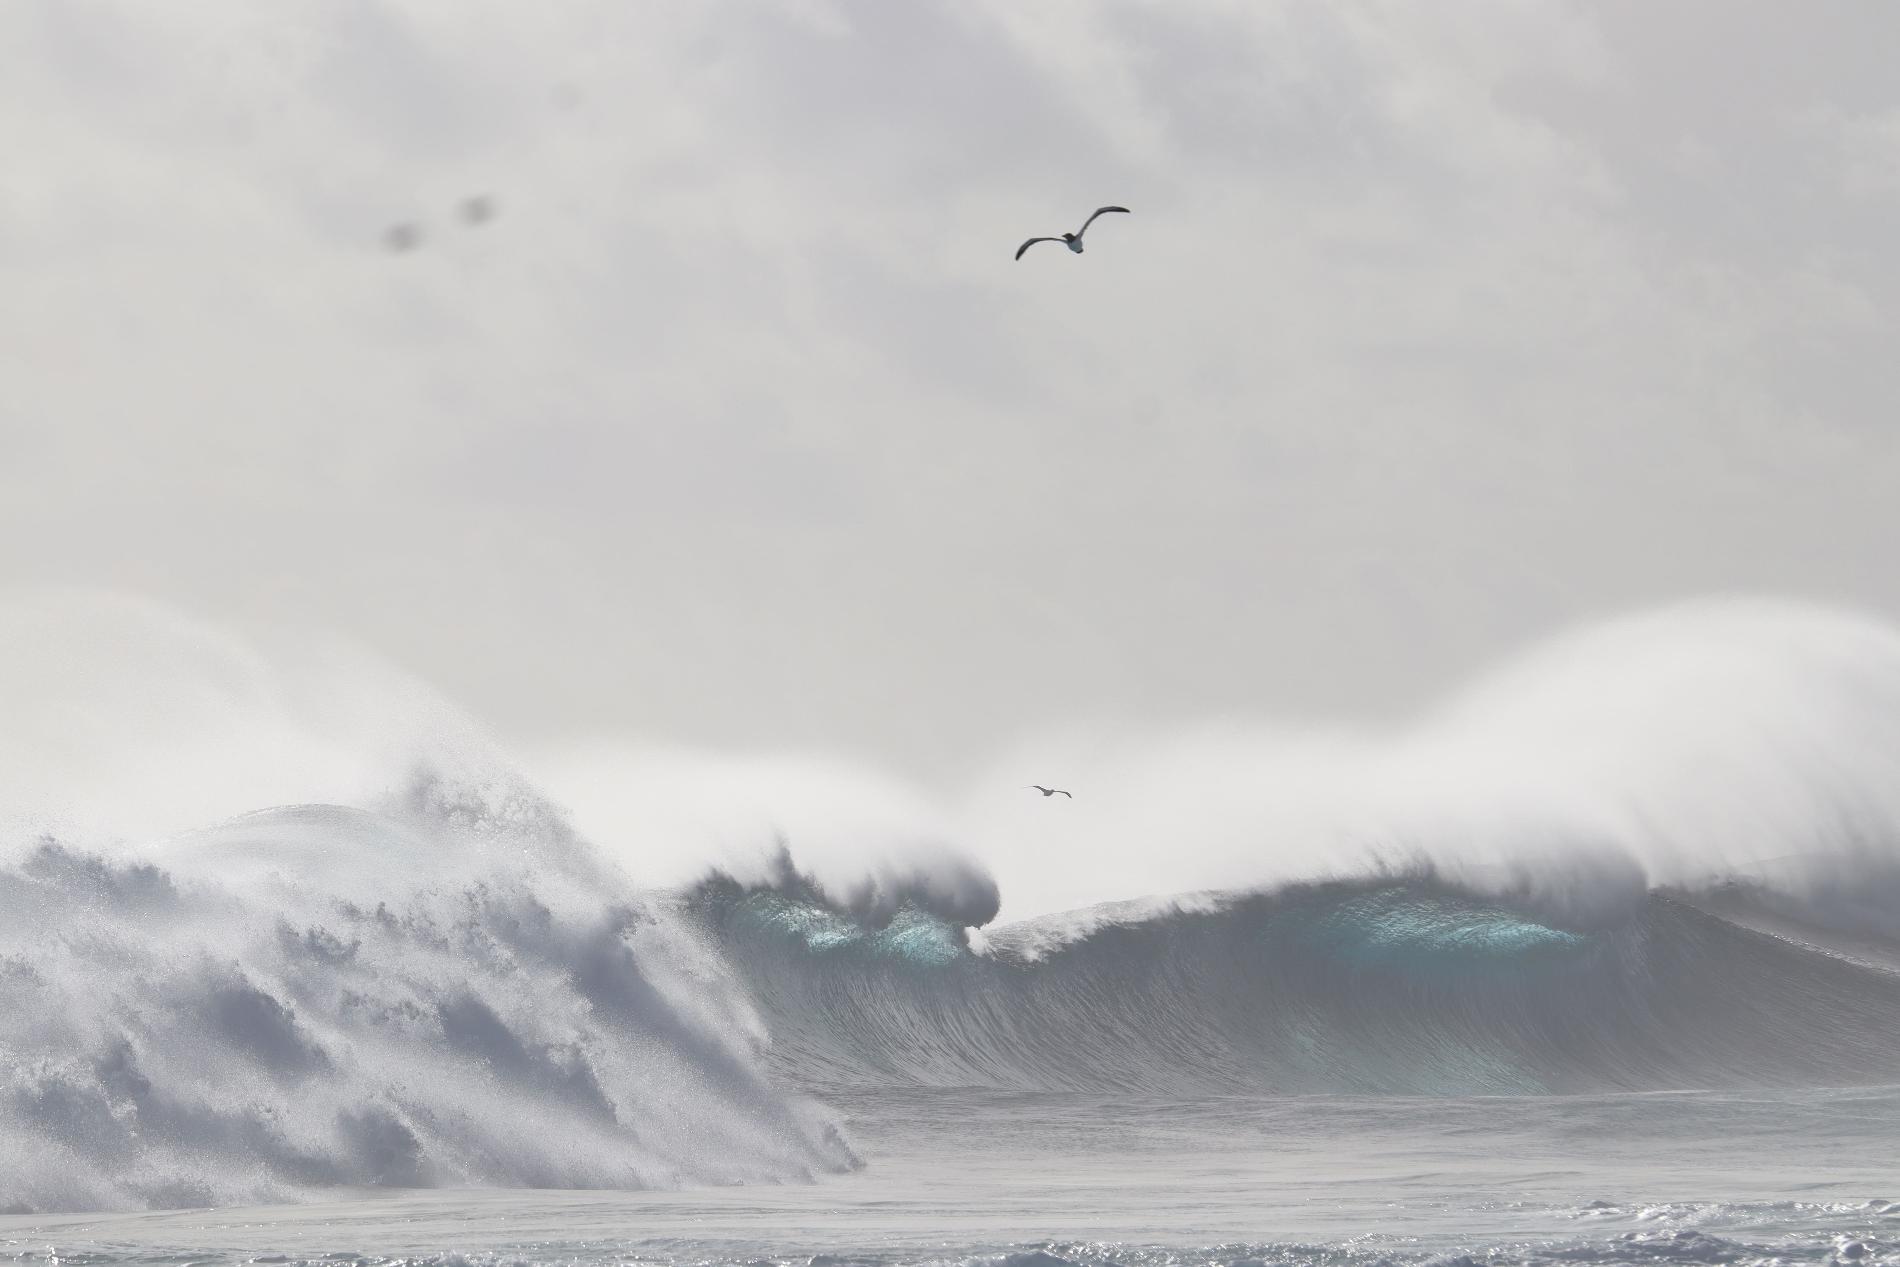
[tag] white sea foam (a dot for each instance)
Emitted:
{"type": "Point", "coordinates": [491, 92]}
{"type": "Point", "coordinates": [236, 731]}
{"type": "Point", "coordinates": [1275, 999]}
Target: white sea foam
{"type": "Point", "coordinates": [318, 996]}
{"type": "Point", "coordinates": [389, 980]}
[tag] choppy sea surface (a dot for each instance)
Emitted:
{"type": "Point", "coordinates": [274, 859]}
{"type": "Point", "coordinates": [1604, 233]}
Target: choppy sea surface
{"type": "Point", "coordinates": [325, 1035]}
{"type": "Point", "coordinates": [1632, 995]}
{"type": "Point", "coordinates": [1038, 1179]}
{"type": "Point", "coordinates": [441, 1026]}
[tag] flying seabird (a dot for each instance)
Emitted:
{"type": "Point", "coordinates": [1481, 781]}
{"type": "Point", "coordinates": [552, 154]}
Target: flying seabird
{"type": "Point", "coordinates": [1048, 791]}
{"type": "Point", "coordinates": [1073, 240]}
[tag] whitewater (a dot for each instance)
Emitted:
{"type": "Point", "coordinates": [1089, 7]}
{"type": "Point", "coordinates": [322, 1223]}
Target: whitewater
{"type": "Point", "coordinates": [1598, 961]}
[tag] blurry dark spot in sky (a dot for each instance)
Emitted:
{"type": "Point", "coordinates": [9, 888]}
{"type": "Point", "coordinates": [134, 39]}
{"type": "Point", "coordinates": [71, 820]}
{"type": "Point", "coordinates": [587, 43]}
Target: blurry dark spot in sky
{"type": "Point", "coordinates": [478, 210]}
{"type": "Point", "coordinates": [402, 237]}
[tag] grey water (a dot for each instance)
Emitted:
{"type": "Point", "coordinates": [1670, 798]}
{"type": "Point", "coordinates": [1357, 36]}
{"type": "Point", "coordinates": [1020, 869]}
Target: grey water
{"type": "Point", "coordinates": [954, 1176]}
{"type": "Point", "coordinates": [497, 1052]}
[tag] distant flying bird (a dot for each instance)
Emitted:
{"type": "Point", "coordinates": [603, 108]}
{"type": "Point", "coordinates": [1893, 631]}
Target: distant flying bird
{"type": "Point", "coordinates": [1073, 240]}
{"type": "Point", "coordinates": [1049, 791]}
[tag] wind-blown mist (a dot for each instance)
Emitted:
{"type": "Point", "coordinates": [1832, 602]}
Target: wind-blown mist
{"type": "Point", "coordinates": [355, 944]}
{"type": "Point", "coordinates": [1704, 739]}
{"type": "Point", "coordinates": [317, 996]}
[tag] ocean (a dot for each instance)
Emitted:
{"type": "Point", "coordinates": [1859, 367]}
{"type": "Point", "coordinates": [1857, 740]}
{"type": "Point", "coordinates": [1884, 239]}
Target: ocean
{"type": "Point", "coordinates": [446, 1032]}
{"type": "Point", "coordinates": [1038, 1179]}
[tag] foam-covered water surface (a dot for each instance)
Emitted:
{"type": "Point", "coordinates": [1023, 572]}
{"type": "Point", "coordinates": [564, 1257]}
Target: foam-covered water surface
{"type": "Point", "coordinates": [1040, 1179]}
{"type": "Point", "coordinates": [1615, 977]}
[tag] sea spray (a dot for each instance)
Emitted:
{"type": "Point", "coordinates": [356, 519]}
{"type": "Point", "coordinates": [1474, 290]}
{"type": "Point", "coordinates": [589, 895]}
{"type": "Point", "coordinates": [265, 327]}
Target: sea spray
{"type": "Point", "coordinates": [348, 1013]}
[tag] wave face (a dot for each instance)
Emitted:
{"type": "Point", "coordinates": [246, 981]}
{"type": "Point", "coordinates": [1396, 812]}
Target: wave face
{"type": "Point", "coordinates": [1392, 984]}
{"type": "Point", "coordinates": [317, 997]}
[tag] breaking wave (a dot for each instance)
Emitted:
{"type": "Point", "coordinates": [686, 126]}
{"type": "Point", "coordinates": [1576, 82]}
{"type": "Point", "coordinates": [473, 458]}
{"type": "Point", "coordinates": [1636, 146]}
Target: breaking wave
{"type": "Point", "coordinates": [1659, 853]}
{"type": "Point", "coordinates": [318, 997]}
{"type": "Point", "coordinates": [453, 987]}
{"type": "Point", "coordinates": [1401, 983]}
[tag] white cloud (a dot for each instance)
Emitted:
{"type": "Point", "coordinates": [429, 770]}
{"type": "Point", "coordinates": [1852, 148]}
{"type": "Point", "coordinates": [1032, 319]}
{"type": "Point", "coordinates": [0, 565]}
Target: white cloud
{"type": "Point", "coordinates": [738, 424]}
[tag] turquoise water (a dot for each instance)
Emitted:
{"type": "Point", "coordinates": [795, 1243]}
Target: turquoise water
{"type": "Point", "coordinates": [911, 935]}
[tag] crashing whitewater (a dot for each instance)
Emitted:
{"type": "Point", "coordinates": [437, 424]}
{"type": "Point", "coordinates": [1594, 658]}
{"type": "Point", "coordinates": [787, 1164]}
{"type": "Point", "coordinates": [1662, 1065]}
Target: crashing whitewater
{"type": "Point", "coordinates": [448, 985]}
{"type": "Point", "coordinates": [189, 1031]}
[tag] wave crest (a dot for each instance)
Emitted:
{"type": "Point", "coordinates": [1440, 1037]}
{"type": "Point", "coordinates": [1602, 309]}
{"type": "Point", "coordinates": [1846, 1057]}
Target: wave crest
{"type": "Point", "coordinates": [947, 888]}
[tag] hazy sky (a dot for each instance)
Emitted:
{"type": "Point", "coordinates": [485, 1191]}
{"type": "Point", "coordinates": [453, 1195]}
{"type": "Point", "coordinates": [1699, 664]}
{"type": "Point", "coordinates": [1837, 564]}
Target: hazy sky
{"type": "Point", "coordinates": [1435, 329]}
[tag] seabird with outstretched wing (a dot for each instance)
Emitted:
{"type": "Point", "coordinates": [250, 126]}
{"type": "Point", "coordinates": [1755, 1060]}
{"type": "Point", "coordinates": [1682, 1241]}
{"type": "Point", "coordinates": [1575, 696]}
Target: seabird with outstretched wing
{"type": "Point", "coordinates": [1072, 240]}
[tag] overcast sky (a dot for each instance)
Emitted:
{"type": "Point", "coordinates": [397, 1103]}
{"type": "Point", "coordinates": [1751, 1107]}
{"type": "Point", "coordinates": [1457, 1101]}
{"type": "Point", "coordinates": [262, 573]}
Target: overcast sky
{"type": "Point", "coordinates": [1435, 329]}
